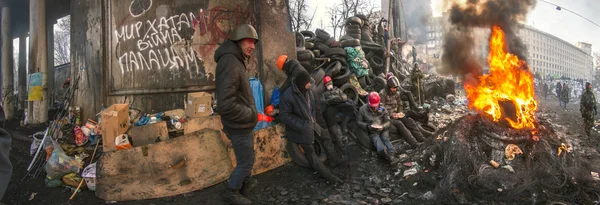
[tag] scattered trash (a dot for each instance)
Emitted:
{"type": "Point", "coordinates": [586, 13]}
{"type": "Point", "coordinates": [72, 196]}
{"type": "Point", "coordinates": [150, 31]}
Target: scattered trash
{"type": "Point", "coordinates": [32, 196]}
{"type": "Point", "coordinates": [89, 174]}
{"type": "Point", "coordinates": [408, 164]}
{"type": "Point", "coordinates": [59, 163]}
{"type": "Point", "coordinates": [494, 164]}
{"type": "Point", "coordinates": [595, 176]}
{"type": "Point", "coordinates": [509, 168]}
{"type": "Point", "coordinates": [411, 171]}
{"type": "Point", "coordinates": [500, 190]}
{"type": "Point", "coordinates": [403, 157]}
{"type": "Point", "coordinates": [511, 150]}
{"type": "Point", "coordinates": [122, 142]}
{"type": "Point", "coordinates": [37, 141]}
{"type": "Point", "coordinates": [71, 179]}
{"type": "Point", "coordinates": [428, 195]}
{"type": "Point", "coordinates": [80, 138]}
{"type": "Point", "coordinates": [561, 148]}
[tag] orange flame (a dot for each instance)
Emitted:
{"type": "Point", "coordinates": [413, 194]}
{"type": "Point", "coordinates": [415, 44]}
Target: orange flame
{"type": "Point", "coordinates": [509, 81]}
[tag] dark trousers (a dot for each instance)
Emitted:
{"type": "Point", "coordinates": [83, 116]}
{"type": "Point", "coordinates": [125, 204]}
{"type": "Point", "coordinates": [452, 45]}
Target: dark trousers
{"type": "Point", "coordinates": [315, 163]}
{"type": "Point", "coordinates": [243, 147]}
{"type": "Point", "coordinates": [404, 132]}
{"type": "Point", "coordinates": [412, 126]}
{"type": "Point", "coordinates": [332, 110]}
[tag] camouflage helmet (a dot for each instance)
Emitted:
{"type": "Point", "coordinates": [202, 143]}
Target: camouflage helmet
{"type": "Point", "coordinates": [244, 31]}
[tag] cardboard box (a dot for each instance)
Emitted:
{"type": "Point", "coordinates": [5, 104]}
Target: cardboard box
{"type": "Point", "coordinates": [199, 104]}
{"type": "Point", "coordinates": [115, 122]}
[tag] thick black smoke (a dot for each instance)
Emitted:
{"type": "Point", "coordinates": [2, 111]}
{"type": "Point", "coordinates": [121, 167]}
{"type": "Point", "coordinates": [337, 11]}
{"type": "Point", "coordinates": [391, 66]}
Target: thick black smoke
{"type": "Point", "coordinates": [458, 57]}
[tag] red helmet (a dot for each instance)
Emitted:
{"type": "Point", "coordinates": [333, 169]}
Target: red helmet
{"type": "Point", "coordinates": [326, 80]}
{"type": "Point", "coordinates": [374, 99]}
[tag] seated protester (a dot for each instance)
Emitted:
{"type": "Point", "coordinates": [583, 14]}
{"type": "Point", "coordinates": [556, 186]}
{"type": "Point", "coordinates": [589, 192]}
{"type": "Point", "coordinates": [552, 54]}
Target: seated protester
{"type": "Point", "coordinates": [291, 67]}
{"type": "Point", "coordinates": [299, 112]}
{"type": "Point", "coordinates": [405, 126]}
{"type": "Point", "coordinates": [336, 101]}
{"type": "Point", "coordinates": [374, 120]}
{"type": "Point", "coordinates": [405, 95]}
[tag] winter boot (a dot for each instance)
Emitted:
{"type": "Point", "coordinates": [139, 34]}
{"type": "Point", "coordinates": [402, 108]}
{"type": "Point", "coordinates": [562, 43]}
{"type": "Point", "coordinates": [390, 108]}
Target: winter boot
{"type": "Point", "coordinates": [233, 196]}
{"type": "Point", "coordinates": [336, 137]}
{"type": "Point", "coordinates": [425, 132]}
{"type": "Point", "coordinates": [249, 184]}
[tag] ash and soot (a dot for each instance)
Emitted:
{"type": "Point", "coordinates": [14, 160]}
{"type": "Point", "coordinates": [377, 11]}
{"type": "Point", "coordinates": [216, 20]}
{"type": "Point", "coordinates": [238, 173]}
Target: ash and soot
{"type": "Point", "coordinates": [504, 154]}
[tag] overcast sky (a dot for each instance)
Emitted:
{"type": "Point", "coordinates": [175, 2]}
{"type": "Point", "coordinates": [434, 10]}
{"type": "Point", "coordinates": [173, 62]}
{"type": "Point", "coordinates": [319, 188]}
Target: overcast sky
{"type": "Point", "coordinates": [545, 17]}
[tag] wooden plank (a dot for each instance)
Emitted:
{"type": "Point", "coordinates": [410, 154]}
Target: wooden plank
{"type": "Point", "coordinates": [270, 149]}
{"type": "Point", "coordinates": [144, 172]}
{"type": "Point", "coordinates": [210, 122]}
{"type": "Point", "coordinates": [148, 134]}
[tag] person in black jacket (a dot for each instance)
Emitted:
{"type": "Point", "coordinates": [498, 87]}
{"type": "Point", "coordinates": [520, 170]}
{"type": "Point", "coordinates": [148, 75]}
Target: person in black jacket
{"type": "Point", "coordinates": [235, 104]}
{"type": "Point", "coordinates": [300, 113]}
{"type": "Point", "coordinates": [291, 68]}
{"type": "Point", "coordinates": [375, 121]}
{"type": "Point", "coordinates": [336, 101]}
{"type": "Point", "coordinates": [5, 165]}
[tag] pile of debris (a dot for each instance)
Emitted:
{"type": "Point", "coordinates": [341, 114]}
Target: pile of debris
{"type": "Point", "coordinates": [476, 160]}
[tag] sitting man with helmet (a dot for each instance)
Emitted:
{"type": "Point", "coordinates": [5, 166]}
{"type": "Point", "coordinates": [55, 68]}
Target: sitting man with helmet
{"type": "Point", "coordinates": [374, 120]}
{"type": "Point", "coordinates": [405, 126]}
{"type": "Point", "coordinates": [336, 101]}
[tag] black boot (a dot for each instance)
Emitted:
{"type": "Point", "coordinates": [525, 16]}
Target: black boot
{"type": "Point", "coordinates": [233, 196]}
{"type": "Point", "coordinates": [425, 132]}
{"type": "Point", "coordinates": [249, 184]}
{"type": "Point", "coordinates": [336, 137]}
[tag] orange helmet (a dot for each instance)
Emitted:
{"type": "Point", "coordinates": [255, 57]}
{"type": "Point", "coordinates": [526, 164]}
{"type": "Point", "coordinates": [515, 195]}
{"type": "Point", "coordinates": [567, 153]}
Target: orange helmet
{"type": "Point", "coordinates": [281, 60]}
{"type": "Point", "coordinates": [326, 80]}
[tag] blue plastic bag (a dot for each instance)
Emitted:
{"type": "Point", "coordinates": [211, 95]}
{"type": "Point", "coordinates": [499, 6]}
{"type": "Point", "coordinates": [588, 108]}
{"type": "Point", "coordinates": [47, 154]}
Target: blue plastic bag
{"type": "Point", "coordinates": [275, 96]}
{"type": "Point", "coordinates": [257, 92]}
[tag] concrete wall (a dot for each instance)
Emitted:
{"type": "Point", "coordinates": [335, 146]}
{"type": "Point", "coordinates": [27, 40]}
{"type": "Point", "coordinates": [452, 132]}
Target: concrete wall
{"type": "Point", "coordinates": [87, 55]}
{"type": "Point", "coordinates": [151, 53]}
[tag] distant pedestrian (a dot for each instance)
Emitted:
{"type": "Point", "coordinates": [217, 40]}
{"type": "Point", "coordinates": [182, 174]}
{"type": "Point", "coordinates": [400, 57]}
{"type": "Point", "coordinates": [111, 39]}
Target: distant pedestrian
{"type": "Point", "coordinates": [565, 94]}
{"type": "Point", "coordinates": [588, 108]}
{"type": "Point", "coordinates": [545, 91]}
{"type": "Point", "coordinates": [559, 93]}
{"type": "Point", "coordinates": [235, 104]}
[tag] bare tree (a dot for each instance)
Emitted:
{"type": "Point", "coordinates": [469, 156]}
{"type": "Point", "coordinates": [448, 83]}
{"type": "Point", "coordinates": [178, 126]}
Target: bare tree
{"type": "Point", "coordinates": [596, 58]}
{"type": "Point", "coordinates": [299, 15]}
{"type": "Point", "coordinates": [62, 41]}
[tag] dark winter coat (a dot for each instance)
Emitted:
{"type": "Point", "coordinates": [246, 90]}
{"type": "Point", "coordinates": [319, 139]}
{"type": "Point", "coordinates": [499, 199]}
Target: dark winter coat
{"type": "Point", "coordinates": [5, 165]}
{"type": "Point", "coordinates": [391, 101]}
{"type": "Point", "coordinates": [301, 115]}
{"type": "Point", "coordinates": [291, 68]}
{"type": "Point", "coordinates": [235, 102]}
{"type": "Point", "coordinates": [367, 117]}
{"type": "Point", "coordinates": [334, 96]}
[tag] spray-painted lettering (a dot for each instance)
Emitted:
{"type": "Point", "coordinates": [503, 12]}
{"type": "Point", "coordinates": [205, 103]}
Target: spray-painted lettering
{"type": "Point", "coordinates": [159, 44]}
